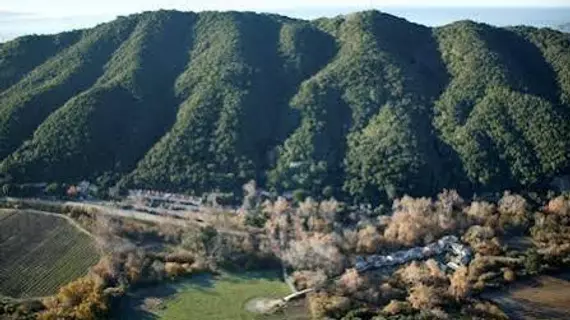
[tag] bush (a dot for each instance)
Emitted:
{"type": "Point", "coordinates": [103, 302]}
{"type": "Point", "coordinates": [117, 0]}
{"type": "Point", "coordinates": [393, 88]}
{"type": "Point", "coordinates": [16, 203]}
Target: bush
{"type": "Point", "coordinates": [485, 310]}
{"type": "Point", "coordinates": [322, 305]}
{"type": "Point", "coordinates": [420, 221]}
{"type": "Point", "coordinates": [509, 275]}
{"type": "Point", "coordinates": [83, 299]}
{"type": "Point", "coordinates": [397, 307]}
{"type": "Point", "coordinates": [174, 269]}
{"type": "Point", "coordinates": [318, 252]}
{"type": "Point", "coordinates": [460, 286]}
{"type": "Point", "coordinates": [351, 281]}
{"type": "Point", "coordinates": [424, 297]}
{"type": "Point", "coordinates": [369, 240]}
{"type": "Point", "coordinates": [483, 240]}
{"type": "Point", "coordinates": [308, 279]}
{"type": "Point", "coordinates": [514, 213]}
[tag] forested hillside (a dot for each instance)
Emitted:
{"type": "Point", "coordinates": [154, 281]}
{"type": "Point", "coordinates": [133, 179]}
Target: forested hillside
{"type": "Point", "coordinates": [366, 106]}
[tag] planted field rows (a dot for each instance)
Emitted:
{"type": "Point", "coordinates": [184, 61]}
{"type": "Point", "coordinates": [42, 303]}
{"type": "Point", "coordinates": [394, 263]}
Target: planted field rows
{"type": "Point", "coordinates": [40, 253]}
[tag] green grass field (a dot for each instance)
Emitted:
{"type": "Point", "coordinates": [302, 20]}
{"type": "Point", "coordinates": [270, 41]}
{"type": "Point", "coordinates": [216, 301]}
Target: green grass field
{"type": "Point", "coordinates": [206, 297]}
{"type": "Point", "coordinates": [40, 253]}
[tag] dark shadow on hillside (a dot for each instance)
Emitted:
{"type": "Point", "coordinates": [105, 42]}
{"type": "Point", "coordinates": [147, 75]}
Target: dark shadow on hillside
{"type": "Point", "coordinates": [414, 49]}
{"type": "Point", "coordinates": [284, 53]}
{"type": "Point", "coordinates": [526, 68]}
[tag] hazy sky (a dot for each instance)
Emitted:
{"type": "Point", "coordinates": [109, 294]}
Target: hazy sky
{"type": "Point", "coordinates": [19, 17]}
{"type": "Point", "coordinates": [60, 8]}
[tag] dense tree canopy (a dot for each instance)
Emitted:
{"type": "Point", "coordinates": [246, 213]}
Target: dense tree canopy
{"type": "Point", "coordinates": [366, 106]}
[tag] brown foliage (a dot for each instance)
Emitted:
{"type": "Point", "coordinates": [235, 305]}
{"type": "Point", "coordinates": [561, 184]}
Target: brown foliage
{"type": "Point", "coordinates": [514, 212]}
{"type": "Point", "coordinates": [559, 205]}
{"type": "Point", "coordinates": [485, 310]}
{"type": "Point", "coordinates": [351, 281]}
{"type": "Point", "coordinates": [318, 252]}
{"type": "Point", "coordinates": [424, 297]}
{"type": "Point", "coordinates": [483, 213]}
{"type": "Point", "coordinates": [322, 305]}
{"type": "Point", "coordinates": [82, 299]}
{"type": "Point", "coordinates": [460, 287]}
{"type": "Point", "coordinates": [174, 269]}
{"type": "Point", "coordinates": [349, 242]}
{"type": "Point", "coordinates": [308, 279]}
{"type": "Point", "coordinates": [485, 269]}
{"type": "Point", "coordinates": [397, 307]}
{"type": "Point", "coordinates": [421, 221]}
{"type": "Point", "coordinates": [509, 275]}
{"type": "Point", "coordinates": [422, 272]}
{"type": "Point", "coordinates": [483, 240]}
{"type": "Point", "coordinates": [369, 240]}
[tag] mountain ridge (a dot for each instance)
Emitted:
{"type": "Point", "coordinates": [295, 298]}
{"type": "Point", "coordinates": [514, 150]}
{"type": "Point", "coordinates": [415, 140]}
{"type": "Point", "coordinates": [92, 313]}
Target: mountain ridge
{"type": "Point", "coordinates": [366, 106]}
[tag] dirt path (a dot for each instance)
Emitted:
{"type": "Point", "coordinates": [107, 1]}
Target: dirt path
{"type": "Point", "coordinates": [545, 297]}
{"type": "Point", "coordinates": [132, 214]}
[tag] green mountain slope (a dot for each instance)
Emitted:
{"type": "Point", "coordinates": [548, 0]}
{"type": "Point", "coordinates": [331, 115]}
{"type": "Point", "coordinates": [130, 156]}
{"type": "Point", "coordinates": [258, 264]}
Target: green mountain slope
{"type": "Point", "coordinates": [501, 112]}
{"type": "Point", "coordinates": [22, 55]}
{"type": "Point", "coordinates": [109, 127]}
{"type": "Point", "coordinates": [366, 106]}
{"type": "Point", "coordinates": [46, 88]}
{"type": "Point", "coordinates": [242, 71]}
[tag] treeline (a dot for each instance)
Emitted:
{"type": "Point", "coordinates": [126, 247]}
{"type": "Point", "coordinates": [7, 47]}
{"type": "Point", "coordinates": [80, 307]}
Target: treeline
{"type": "Point", "coordinates": [366, 107]}
{"type": "Point", "coordinates": [512, 237]}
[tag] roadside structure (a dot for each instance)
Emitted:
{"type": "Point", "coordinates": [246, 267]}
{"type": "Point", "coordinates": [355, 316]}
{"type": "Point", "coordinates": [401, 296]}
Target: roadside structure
{"type": "Point", "coordinates": [457, 254]}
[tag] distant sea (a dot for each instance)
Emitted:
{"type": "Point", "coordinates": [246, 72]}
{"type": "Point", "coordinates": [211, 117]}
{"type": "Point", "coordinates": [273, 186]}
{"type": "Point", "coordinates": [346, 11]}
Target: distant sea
{"type": "Point", "coordinates": [438, 16]}
{"type": "Point", "coordinates": [13, 24]}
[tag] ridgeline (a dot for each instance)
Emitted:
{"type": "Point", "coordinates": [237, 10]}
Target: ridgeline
{"type": "Point", "coordinates": [366, 106]}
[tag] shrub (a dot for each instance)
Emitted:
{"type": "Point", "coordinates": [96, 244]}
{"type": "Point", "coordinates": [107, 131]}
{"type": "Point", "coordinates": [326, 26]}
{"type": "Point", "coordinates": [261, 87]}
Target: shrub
{"type": "Point", "coordinates": [308, 279]}
{"type": "Point", "coordinates": [174, 269]}
{"type": "Point", "coordinates": [514, 212]}
{"type": "Point", "coordinates": [559, 205]}
{"type": "Point", "coordinates": [424, 297]}
{"type": "Point", "coordinates": [83, 299]}
{"type": "Point", "coordinates": [460, 287]}
{"type": "Point", "coordinates": [369, 240]}
{"type": "Point", "coordinates": [483, 240]}
{"type": "Point", "coordinates": [509, 275]}
{"type": "Point", "coordinates": [351, 281]}
{"type": "Point", "coordinates": [397, 307]}
{"type": "Point", "coordinates": [427, 273]}
{"type": "Point", "coordinates": [420, 221]}
{"type": "Point", "coordinates": [318, 252]}
{"type": "Point", "coordinates": [485, 310]}
{"type": "Point", "coordinates": [322, 305]}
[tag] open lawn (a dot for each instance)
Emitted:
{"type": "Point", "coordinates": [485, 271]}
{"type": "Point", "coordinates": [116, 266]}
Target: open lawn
{"type": "Point", "coordinates": [40, 253]}
{"type": "Point", "coordinates": [207, 297]}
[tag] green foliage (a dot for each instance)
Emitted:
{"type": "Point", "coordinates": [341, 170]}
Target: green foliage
{"type": "Point", "coordinates": [382, 60]}
{"type": "Point", "coordinates": [232, 114]}
{"type": "Point", "coordinates": [500, 112]}
{"type": "Point", "coordinates": [111, 125]}
{"type": "Point", "coordinates": [27, 103]}
{"type": "Point", "coordinates": [366, 106]}
{"type": "Point", "coordinates": [20, 56]}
